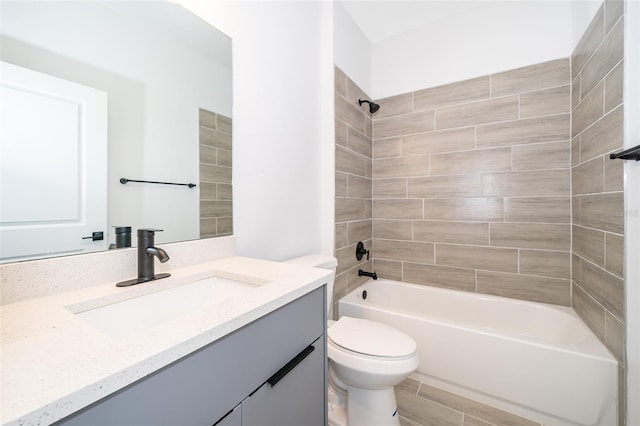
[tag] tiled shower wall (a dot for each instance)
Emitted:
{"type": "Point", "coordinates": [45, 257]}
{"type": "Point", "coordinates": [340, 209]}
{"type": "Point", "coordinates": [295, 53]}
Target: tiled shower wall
{"type": "Point", "coordinates": [471, 185]}
{"type": "Point", "coordinates": [353, 183]}
{"type": "Point", "coordinates": [216, 218]}
{"type": "Point", "coordinates": [597, 181]}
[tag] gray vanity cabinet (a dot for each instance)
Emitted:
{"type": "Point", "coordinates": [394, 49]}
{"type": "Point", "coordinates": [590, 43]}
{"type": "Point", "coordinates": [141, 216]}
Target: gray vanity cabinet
{"type": "Point", "coordinates": [228, 381]}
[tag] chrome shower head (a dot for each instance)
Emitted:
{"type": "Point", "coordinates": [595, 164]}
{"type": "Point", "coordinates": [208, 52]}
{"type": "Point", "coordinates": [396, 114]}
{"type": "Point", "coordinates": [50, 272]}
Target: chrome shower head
{"type": "Point", "coordinates": [373, 107]}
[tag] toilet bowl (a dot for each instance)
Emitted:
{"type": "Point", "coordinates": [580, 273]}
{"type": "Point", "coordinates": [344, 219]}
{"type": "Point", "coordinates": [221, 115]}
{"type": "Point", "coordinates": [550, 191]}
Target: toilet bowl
{"type": "Point", "coordinates": [366, 360]}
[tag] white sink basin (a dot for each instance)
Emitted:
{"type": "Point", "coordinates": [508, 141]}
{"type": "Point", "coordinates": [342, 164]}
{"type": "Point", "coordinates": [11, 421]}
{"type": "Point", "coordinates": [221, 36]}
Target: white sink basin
{"type": "Point", "coordinates": [127, 317]}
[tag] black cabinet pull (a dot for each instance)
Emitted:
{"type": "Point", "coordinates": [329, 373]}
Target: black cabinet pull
{"type": "Point", "coordinates": [273, 380]}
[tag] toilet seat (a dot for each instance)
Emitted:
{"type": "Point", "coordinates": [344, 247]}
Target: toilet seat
{"type": "Point", "coordinates": [370, 339]}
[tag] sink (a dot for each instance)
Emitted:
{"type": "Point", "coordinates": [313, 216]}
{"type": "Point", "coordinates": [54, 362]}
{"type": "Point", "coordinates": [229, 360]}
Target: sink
{"type": "Point", "coordinates": [130, 316]}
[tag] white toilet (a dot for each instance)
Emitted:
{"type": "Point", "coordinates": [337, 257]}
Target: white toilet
{"type": "Point", "coordinates": [366, 360]}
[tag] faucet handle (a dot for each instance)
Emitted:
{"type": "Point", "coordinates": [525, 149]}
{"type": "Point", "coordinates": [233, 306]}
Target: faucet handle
{"type": "Point", "coordinates": [142, 232]}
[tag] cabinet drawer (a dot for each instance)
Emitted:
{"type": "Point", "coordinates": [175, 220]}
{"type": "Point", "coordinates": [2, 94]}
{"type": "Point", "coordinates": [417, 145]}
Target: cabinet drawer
{"type": "Point", "coordinates": [203, 386]}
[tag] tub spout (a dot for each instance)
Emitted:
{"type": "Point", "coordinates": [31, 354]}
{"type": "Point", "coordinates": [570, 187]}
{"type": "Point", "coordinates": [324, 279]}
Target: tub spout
{"type": "Point", "coordinates": [362, 273]}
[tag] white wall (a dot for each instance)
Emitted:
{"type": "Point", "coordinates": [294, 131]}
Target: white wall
{"type": "Point", "coordinates": [582, 12]}
{"type": "Point", "coordinates": [497, 36]}
{"type": "Point", "coordinates": [283, 123]}
{"type": "Point", "coordinates": [352, 49]}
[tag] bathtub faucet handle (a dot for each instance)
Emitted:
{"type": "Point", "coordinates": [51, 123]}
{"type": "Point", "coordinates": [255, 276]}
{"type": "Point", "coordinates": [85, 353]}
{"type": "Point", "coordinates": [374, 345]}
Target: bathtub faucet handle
{"type": "Point", "coordinates": [361, 251]}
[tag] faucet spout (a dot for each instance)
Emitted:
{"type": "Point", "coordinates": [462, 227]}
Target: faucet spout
{"type": "Point", "coordinates": [158, 252]}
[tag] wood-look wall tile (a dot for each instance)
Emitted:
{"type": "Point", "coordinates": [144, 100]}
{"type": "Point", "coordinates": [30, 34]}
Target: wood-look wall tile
{"type": "Point", "coordinates": [409, 385]}
{"type": "Point", "coordinates": [405, 124]}
{"type": "Point", "coordinates": [340, 82]}
{"type": "Point", "coordinates": [401, 167]}
{"type": "Point", "coordinates": [541, 156]}
{"type": "Point", "coordinates": [603, 211]}
{"type": "Point", "coordinates": [605, 58]}
{"type": "Point", "coordinates": [472, 421]}
{"type": "Point", "coordinates": [533, 77]}
{"type": "Point", "coordinates": [342, 234]}
{"type": "Point", "coordinates": [589, 110]}
{"type": "Point", "coordinates": [613, 10]}
{"type": "Point", "coordinates": [342, 188]}
{"type": "Point", "coordinates": [575, 92]}
{"type": "Point", "coordinates": [224, 157]}
{"type": "Point", "coordinates": [555, 100]}
{"type": "Point", "coordinates": [588, 177]}
{"type": "Point", "coordinates": [211, 208]}
{"type": "Point", "coordinates": [548, 183]}
{"type": "Point", "coordinates": [393, 229]}
{"type": "Point", "coordinates": [211, 173]}
{"type": "Point", "coordinates": [614, 339]}
{"type": "Point", "coordinates": [349, 114]}
{"type": "Point", "coordinates": [215, 138]}
{"type": "Point", "coordinates": [350, 162]}
{"type": "Point", "coordinates": [390, 188]}
{"type": "Point", "coordinates": [477, 257]}
{"type": "Point", "coordinates": [543, 236]}
{"type": "Point", "coordinates": [575, 267]}
{"type": "Point", "coordinates": [556, 264]}
{"type": "Point", "coordinates": [537, 209]}
{"type": "Point", "coordinates": [589, 244]}
{"type": "Point", "coordinates": [397, 209]}
{"type": "Point", "coordinates": [406, 251]}
{"type": "Point", "coordinates": [389, 269]}
{"type": "Point", "coordinates": [538, 289]}
{"type": "Point", "coordinates": [439, 276]}
{"type": "Point", "coordinates": [590, 40]}
{"type": "Point", "coordinates": [451, 232]}
{"type": "Point", "coordinates": [445, 186]}
{"type": "Point", "coordinates": [614, 254]}
{"type": "Point", "coordinates": [422, 411]}
{"type": "Point", "coordinates": [605, 288]}
{"type": "Point", "coordinates": [359, 187]}
{"type": "Point", "coordinates": [390, 147]}
{"type": "Point", "coordinates": [360, 230]}
{"type": "Point", "coordinates": [395, 105]}
{"type": "Point", "coordinates": [604, 136]}
{"type": "Point", "coordinates": [481, 160]}
{"type": "Point", "coordinates": [341, 131]}
{"type": "Point", "coordinates": [224, 191]}
{"type": "Point", "coordinates": [464, 209]}
{"type": "Point", "coordinates": [613, 88]}
{"type": "Point", "coordinates": [368, 124]}
{"type": "Point", "coordinates": [360, 143]}
{"type": "Point", "coordinates": [471, 407]}
{"type": "Point", "coordinates": [549, 128]}
{"type": "Point", "coordinates": [348, 209]}
{"type": "Point", "coordinates": [453, 93]}
{"type": "Point", "coordinates": [479, 112]}
{"type": "Point", "coordinates": [224, 124]}
{"type": "Point", "coordinates": [208, 226]}
{"type": "Point", "coordinates": [442, 141]}
{"type": "Point", "coordinates": [224, 226]}
{"type": "Point", "coordinates": [575, 151]}
{"type": "Point", "coordinates": [208, 155]}
{"type": "Point", "coordinates": [591, 312]}
{"type": "Point", "coordinates": [354, 94]}
{"type": "Point", "coordinates": [207, 118]}
{"type": "Point", "coordinates": [346, 259]}
{"type": "Point", "coordinates": [208, 191]}
{"type": "Point", "coordinates": [353, 279]}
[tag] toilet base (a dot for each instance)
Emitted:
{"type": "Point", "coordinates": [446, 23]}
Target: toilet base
{"type": "Point", "coordinates": [367, 407]}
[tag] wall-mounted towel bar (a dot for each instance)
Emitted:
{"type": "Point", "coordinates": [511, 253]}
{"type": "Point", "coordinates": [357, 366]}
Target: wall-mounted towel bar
{"type": "Point", "coordinates": [125, 180]}
{"type": "Point", "coordinates": [629, 154]}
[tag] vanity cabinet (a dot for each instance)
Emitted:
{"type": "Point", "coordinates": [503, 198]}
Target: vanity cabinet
{"type": "Point", "coordinates": [231, 381]}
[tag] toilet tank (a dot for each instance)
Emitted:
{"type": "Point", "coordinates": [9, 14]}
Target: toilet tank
{"type": "Point", "coordinates": [321, 261]}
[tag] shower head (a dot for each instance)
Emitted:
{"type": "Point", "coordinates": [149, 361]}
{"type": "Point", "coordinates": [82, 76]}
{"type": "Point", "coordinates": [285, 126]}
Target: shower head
{"type": "Point", "coordinates": [373, 107]}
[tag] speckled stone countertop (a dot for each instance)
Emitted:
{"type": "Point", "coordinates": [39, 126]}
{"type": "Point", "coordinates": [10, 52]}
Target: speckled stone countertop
{"type": "Point", "coordinates": [54, 363]}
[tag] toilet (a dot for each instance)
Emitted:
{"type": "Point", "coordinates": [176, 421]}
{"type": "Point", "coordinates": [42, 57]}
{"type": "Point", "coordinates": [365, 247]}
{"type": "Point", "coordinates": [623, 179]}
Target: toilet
{"type": "Point", "coordinates": [366, 360]}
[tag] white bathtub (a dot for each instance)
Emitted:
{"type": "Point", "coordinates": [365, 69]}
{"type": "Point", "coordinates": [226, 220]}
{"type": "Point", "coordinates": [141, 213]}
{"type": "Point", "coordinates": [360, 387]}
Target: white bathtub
{"type": "Point", "coordinates": [531, 359]}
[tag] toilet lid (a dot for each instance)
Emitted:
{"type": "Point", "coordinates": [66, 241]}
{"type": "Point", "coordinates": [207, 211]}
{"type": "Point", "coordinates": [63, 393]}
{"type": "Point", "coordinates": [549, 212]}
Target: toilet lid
{"type": "Point", "coordinates": [370, 338]}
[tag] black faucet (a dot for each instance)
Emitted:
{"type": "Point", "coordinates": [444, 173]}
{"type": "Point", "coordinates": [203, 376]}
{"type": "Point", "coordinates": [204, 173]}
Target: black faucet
{"type": "Point", "coordinates": [362, 273]}
{"type": "Point", "coordinates": [146, 252]}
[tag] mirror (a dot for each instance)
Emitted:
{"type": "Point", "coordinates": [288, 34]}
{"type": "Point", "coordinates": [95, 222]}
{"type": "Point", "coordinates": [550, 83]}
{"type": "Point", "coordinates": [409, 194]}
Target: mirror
{"type": "Point", "coordinates": [167, 82]}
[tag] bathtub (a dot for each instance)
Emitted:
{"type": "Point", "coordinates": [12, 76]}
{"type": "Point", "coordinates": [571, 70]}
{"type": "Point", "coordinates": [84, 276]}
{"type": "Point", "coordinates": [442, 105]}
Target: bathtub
{"type": "Point", "coordinates": [535, 360]}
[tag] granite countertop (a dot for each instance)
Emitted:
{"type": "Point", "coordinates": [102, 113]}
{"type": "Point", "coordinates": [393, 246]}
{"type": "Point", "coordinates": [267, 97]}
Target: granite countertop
{"type": "Point", "coordinates": [53, 363]}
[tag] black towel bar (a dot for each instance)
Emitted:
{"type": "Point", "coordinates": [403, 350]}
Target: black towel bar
{"type": "Point", "coordinates": [125, 180]}
{"type": "Point", "coordinates": [629, 154]}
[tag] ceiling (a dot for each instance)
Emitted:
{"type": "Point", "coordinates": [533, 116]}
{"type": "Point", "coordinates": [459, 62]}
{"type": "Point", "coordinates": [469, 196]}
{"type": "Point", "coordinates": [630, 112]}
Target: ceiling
{"type": "Point", "coordinates": [382, 19]}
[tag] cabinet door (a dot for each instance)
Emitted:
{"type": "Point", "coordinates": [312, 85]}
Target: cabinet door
{"type": "Point", "coordinates": [297, 399]}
